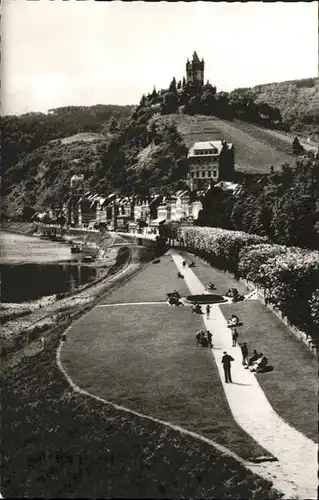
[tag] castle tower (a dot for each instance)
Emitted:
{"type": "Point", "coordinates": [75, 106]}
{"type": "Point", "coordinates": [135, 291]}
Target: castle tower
{"type": "Point", "coordinates": [195, 70]}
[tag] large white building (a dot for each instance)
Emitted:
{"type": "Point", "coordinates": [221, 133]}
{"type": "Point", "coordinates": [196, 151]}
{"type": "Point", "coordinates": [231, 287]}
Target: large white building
{"type": "Point", "coordinates": [210, 162]}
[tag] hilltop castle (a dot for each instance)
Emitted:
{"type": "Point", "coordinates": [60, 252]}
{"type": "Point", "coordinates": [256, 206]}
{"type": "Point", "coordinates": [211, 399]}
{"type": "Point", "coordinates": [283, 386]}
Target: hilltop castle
{"type": "Point", "coordinates": [195, 70]}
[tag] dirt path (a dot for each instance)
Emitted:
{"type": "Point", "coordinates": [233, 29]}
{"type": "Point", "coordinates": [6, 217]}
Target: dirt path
{"type": "Point", "coordinates": [295, 473]}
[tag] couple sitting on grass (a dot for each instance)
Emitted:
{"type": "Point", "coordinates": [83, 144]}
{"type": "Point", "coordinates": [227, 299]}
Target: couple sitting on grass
{"type": "Point", "coordinates": [235, 295]}
{"type": "Point", "coordinates": [204, 339]}
{"type": "Point", "coordinates": [174, 299]}
{"type": "Point", "coordinates": [233, 321]}
{"type": "Point", "coordinates": [211, 286]}
{"type": "Point", "coordinates": [257, 362]}
{"type": "Point", "coordinates": [196, 308]}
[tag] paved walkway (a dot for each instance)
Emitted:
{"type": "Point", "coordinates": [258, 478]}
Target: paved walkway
{"type": "Point", "coordinates": [295, 473]}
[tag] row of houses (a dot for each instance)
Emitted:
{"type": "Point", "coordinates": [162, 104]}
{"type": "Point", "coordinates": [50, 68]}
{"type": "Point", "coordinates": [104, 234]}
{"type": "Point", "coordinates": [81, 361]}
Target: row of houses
{"type": "Point", "coordinates": [210, 163]}
{"type": "Point", "coordinates": [90, 210]}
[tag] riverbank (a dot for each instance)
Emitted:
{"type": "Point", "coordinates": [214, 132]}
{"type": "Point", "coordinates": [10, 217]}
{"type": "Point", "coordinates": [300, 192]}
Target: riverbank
{"type": "Point", "coordinates": [24, 228]}
{"type": "Point", "coordinates": [21, 323]}
{"type": "Point", "coordinates": [94, 240]}
{"type": "Point", "coordinates": [39, 253]}
{"type": "Point", "coordinates": [24, 323]}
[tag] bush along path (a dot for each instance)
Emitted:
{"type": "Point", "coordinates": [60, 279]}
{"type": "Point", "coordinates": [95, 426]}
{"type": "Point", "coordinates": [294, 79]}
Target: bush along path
{"type": "Point", "coordinates": [295, 471]}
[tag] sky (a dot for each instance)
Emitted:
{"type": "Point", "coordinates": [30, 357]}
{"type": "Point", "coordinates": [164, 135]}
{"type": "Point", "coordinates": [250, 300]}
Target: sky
{"type": "Point", "coordinates": [63, 53]}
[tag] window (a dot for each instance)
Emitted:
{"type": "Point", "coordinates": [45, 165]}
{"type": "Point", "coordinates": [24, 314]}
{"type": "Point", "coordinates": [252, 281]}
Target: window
{"type": "Point", "coordinates": [209, 174]}
{"type": "Point", "coordinates": [193, 174]}
{"type": "Point", "coordinates": [198, 173]}
{"type": "Point", "coordinates": [203, 174]}
{"type": "Point", "coordinates": [214, 173]}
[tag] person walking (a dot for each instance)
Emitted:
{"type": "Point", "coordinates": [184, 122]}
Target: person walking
{"type": "Point", "coordinates": [235, 337]}
{"type": "Point", "coordinates": [244, 351]}
{"type": "Point", "coordinates": [208, 310]}
{"type": "Point", "coordinates": [226, 360]}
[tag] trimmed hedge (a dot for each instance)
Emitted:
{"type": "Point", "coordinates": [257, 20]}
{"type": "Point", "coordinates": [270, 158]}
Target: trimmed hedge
{"type": "Point", "coordinates": [219, 246]}
{"type": "Point", "coordinates": [289, 276]}
{"type": "Point", "coordinates": [290, 279]}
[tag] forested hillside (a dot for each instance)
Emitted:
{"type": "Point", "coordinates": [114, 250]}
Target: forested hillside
{"type": "Point", "coordinates": [42, 178]}
{"type": "Point", "coordinates": [25, 133]}
{"type": "Point", "coordinates": [282, 206]}
{"type": "Point", "coordinates": [134, 158]}
{"type": "Point", "coordinates": [297, 100]}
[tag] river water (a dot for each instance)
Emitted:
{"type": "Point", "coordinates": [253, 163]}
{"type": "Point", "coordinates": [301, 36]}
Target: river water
{"type": "Point", "coordinates": [32, 268]}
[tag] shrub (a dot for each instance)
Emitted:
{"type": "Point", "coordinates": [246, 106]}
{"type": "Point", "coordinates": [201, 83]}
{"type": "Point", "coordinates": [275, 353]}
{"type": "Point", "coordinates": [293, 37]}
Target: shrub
{"type": "Point", "coordinates": [291, 282]}
{"type": "Point", "coordinates": [289, 277]}
{"type": "Point", "coordinates": [219, 246]}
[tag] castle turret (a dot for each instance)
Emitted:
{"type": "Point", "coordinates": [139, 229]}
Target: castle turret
{"type": "Point", "coordinates": [195, 70]}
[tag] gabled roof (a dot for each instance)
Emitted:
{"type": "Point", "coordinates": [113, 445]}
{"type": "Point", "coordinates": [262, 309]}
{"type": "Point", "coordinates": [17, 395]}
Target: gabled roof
{"type": "Point", "coordinates": [181, 193]}
{"type": "Point", "coordinates": [208, 145]}
{"type": "Point", "coordinates": [227, 185]}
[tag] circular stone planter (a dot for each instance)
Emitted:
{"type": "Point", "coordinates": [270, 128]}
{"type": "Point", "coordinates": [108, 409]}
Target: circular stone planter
{"type": "Point", "coordinates": [206, 298]}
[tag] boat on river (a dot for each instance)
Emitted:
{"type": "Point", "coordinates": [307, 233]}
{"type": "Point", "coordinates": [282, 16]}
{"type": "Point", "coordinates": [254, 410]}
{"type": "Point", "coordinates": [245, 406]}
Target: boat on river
{"type": "Point", "coordinates": [88, 258]}
{"type": "Point", "coordinates": [76, 248]}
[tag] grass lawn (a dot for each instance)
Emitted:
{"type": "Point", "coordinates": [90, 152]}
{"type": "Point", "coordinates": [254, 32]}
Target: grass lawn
{"type": "Point", "coordinates": [59, 444]}
{"type": "Point", "coordinates": [151, 284]}
{"type": "Point", "coordinates": [145, 358]}
{"type": "Point", "coordinates": [206, 273]}
{"type": "Point", "coordinates": [292, 387]}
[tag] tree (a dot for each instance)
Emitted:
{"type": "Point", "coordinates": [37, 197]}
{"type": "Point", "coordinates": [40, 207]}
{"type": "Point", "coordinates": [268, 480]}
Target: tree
{"type": "Point", "coordinates": [222, 108]}
{"type": "Point", "coordinates": [297, 148]}
{"type": "Point", "coordinates": [183, 82]}
{"type": "Point", "coordinates": [61, 220]}
{"type": "Point", "coordinates": [113, 125]}
{"type": "Point", "coordinates": [143, 101]}
{"type": "Point", "coordinates": [172, 88]}
{"type": "Point", "coordinates": [207, 101]}
{"type": "Point", "coordinates": [170, 103]}
{"type": "Point", "coordinates": [193, 105]}
{"type": "Point", "coordinates": [179, 85]}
